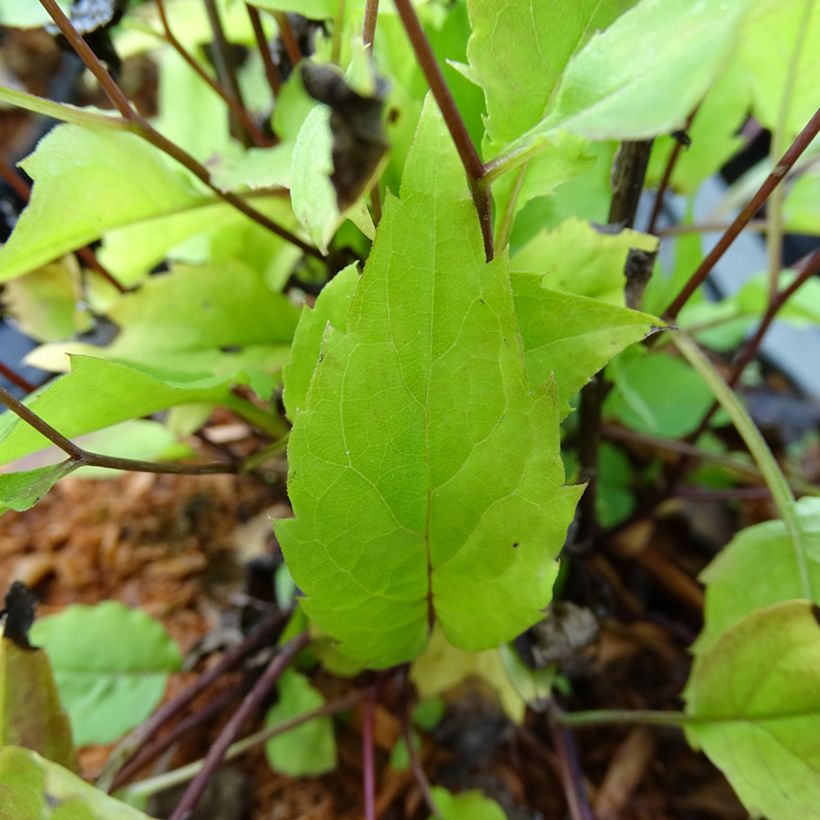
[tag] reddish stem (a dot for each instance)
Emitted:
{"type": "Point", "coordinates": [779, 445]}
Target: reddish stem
{"type": "Point", "coordinates": [801, 142]}
{"type": "Point", "coordinates": [16, 379]}
{"type": "Point", "coordinates": [371, 15]}
{"type": "Point", "coordinates": [250, 705]}
{"type": "Point", "coordinates": [368, 760]}
{"type": "Point", "coordinates": [288, 37]}
{"type": "Point", "coordinates": [271, 71]}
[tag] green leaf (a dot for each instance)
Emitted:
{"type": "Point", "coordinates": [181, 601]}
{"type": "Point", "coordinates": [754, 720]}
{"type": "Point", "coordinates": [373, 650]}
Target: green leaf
{"type": "Point", "coordinates": [97, 394]}
{"type": "Point", "coordinates": [111, 664]}
{"type": "Point", "coordinates": [312, 193]}
{"type": "Point", "coordinates": [255, 168]}
{"type": "Point", "coordinates": [443, 667]}
{"type": "Point", "coordinates": [91, 117]}
{"type": "Point", "coordinates": [309, 749]}
{"type": "Point", "coordinates": [576, 258]}
{"type": "Point", "coordinates": [617, 87]}
{"type": "Point", "coordinates": [759, 568]}
{"type": "Point", "coordinates": [470, 805]}
{"type": "Point", "coordinates": [331, 308]}
{"type": "Point", "coordinates": [615, 500]}
{"type": "Point", "coordinates": [801, 209]}
{"type": "Point", "coordinates": [570, 336]}
{"type": "Point", "coordinates": [409, 410]}
{"type": "Point", "coordinates": [32, 786]}
{"type": "Point", "coordinates": [32, 715]}
{"type": "Point", "coordinates": [754, 695]}
{"type": "Point", "coordinates": [657, 393]}
{"type": "Point", "coordinates": [20, 491]}
{"type": "Point", "coordinates": [86, 182]}
{"type": "Point", "coordinates": [192, 323]}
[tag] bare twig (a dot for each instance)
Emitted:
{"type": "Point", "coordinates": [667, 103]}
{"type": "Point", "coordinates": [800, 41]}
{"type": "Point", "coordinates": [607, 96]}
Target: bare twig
{"type": "Point", "coordinates": [237, 109]}
{"type": "Point", "coordinates": [252, 702]}
{"type": "Point", "coordinates": [288, 37]}
{"type": "Point", "coordinates": [368, 761]}
{"type": "Point", "coordinates": [16, 379]}
{"type": "Point", "coordinates": [271, 71]}
{"type": "Point", "coordinates": [140, 126]}
{"type": "Point", "coordinates": [72, 450]}
{"type": "Point", "coordinates": [671, 162]}
{"type": "Point", "coordinates": [801, 142]}
{"type": "Point", "coordinates": [131, 745]}
{"type": "Point", "coordinates": [371, 15]}
{"type": "Point", "coordinates": [570, 769]}
{"type": "Point", "coordinates": [452, 117]}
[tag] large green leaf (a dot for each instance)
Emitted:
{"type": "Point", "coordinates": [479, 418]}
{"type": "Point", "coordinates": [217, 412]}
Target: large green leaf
{"type": "Point", "coordinates": [309, 749]}
{"type": "Point", "coordinates": [97, 394]}
{"type": "Point", "coordinates": [571, 336]}
{"type": "Point", "coordinates": [408, 412]}
{"type": "Point", "coordinates": [193, 322]}
{"type": "Point", "coordinates": [755, 696]}
{"type": "Point", "coordinates": [86, 182]}
{"type": "Point", "coordinates": [31, 786]}
{"type": "Point", "coordinates": [619, 87]}
{"type": "Point", "coordinates": [759, 568]}
{"type": "Point", "coordinates": [111, 664]}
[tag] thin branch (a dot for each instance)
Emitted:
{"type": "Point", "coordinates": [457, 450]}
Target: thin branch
{"type": "Point", "coordinates": [671, 162]}
{"type": "Point", "coordinates": [72, 450]}
{"type": "Point", "coordinates": [173, 778]}
{"type": "Point", "coordinates": [16, 379]}
{"type": "Point", "coordinates": [128, 748]}
{"type": "Point", "coordinates": [569, 767]}
{"type": "Point", "coordinates": [368, 761]}
{"type": "Point", "coordinates": [250, 705]}
{"type": "Point", "coordinates": [288, 37]}
{"type": "Point", "coordinates": [238, 110]}
{"type": "Point", "coordinates": [415, 764]}
{"type": "Point", "coordinates": [271, 71]}
{"type": "Point", "coordinates": [17, 183]}
{"type": "Point", "coordinates": [371, 16]}
{"type": "Point", "coordinates": [801, 142]}
{"type": "Point", "coordinates": [452, 117]}
{"type": "Point", "coordinates": [756, 225]}
{"type": "Point", "coordinates": [222, 56]}
{"type": "Point", "coordinates": [140, 126]}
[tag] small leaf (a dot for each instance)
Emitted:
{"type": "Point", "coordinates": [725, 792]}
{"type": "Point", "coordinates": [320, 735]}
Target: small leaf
{"type": "Point", "coordinates": [331, 308]}
{"type": "Point", "coordinates": [193, 322]}
{"type": "Point", "coordinates": [111, 664]}
{"type": "Point", "coordinates": [35, 787]}
{"type": "Point", "coordinates": [74, 171]}
{"type": "Point", "coordinates": [309, 749]}
{"type": "Point", "coordinates": [32, 715]}
{"type": "Point", "coordinates": [469, 805]}
{"type": "Point", "coordinates": [97, 394]}
{"type": "Point", "coordinates": [570, 336]}
{"type": "Point", "coordinates": [759, 568]}
{"type": "Point", "coordinates": [755, 696]}
{"type": "Point", "coordinates": [21, 491]}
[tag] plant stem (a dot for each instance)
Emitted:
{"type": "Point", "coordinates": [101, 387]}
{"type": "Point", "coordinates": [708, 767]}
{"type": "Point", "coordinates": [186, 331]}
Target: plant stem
{"type": "Point", "coordinates": [262, 419]}
{"type": "Point", "coordinates": [569, 767]}
{"type": "Point", "coordinates": [72, 450]}
{"type": "Point", "coordinates": [671, 162]}
{"type": "Point", "coordinates": [609, 717]}
{"type": "Point", "coordinates": [452, 117]}
{"type": "Point", "coordinates": [368, 761]}
{"type": "Point", "coordinates": [773, 475]}
{"type": "Point", "coordinates": [371, 16]}
{"type": "Point", "coordinates": [415, 763]}
{"type": "Point", "coordinates": [271, 71]}
{"type": "Point", "coordinates": [145, 788]}
{"type": "Point", "coordinates": [226, 70]}
{"type": "Point", "coordinates": [774, 211]}
{"type": "Point", "coordinates": [629, 173]}
{"type": "Point", "coordinates": [252, 702]}
{"type": "Point", "coordinates": [288, 38]}
{"type": "Point", "coordinates": [758, 225]}
{"type": "Point", "coordinates": [801, 142]}
{"type": "Point", "coordinates": [131, 745]}
{"type": "Point", "coordinates": [338, 27]}
{"type": "Point", "coordinates": [16, 379]}
{"type": "Point", "coordinates": [240, 113]}
{"type": "Point", "coordinates": [140, 126]}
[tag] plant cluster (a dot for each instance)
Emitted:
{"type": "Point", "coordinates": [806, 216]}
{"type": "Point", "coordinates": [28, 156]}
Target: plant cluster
{"type": "Point", "coordinates": [399, 241]}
